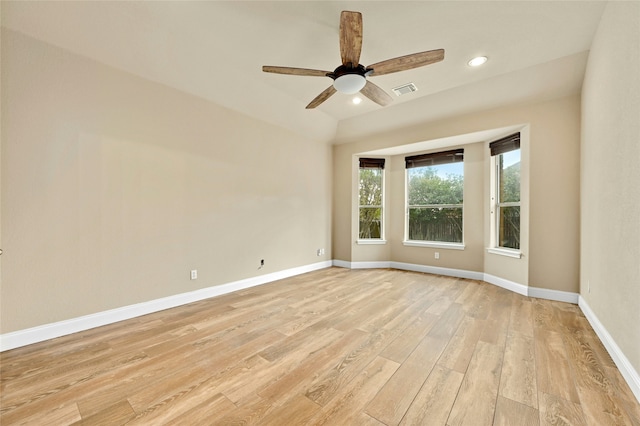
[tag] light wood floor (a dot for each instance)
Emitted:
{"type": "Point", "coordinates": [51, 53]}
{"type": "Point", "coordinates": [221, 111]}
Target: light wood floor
{"type": "Point", "coordinates": [337, 346]}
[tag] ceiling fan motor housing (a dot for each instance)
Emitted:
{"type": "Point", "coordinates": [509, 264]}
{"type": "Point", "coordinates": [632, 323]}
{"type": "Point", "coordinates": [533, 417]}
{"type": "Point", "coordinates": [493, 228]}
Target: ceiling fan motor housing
{"type": "Point", "coordinates": [343, 70]}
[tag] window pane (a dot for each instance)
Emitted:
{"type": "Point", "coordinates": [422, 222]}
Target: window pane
{"type": "Point", "coordinates": [509, 179]}
{"type": "Point", "coordinates": [436, 224]}
{"type": "Point", "coordinates": [370, 222]}
{"type": "Point", "coordinates": [510, 227]}
{"type": "Point", "coordinates": [442, 184]}
{"type": "Point", "coordinates": [370, 187]}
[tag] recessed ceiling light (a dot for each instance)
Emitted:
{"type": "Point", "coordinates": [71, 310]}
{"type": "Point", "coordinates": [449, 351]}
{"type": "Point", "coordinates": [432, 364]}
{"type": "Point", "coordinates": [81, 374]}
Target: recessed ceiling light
{"type": "Point", "coordinates": [476, 62]}
{"type": "Point", "coordinates": [356, 100]}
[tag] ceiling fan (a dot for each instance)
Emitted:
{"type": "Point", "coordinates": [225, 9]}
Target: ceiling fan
{"type": "Point", "coordinates": [351, 76]}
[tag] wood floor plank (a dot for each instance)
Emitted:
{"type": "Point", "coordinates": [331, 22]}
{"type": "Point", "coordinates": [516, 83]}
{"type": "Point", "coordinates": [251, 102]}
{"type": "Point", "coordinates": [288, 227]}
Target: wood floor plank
{"type": "Point", "coordinates": [458, 352]}
{"type": "Point", "coordinates": [323, 350]}
{"type": "Point", "coordinates": [522, 315]}
{"type": "Point", "coordinates": [597, 393]}
{"type": "Point", "coordinates": [509, 412]}
{"type": "Point", "coordinates": [395, 397]}
{"type": "Point", "coordinates": [59, 415]}
{"type": "Point", "coordinates": [348, 405]}
{"type": "Point", "coordinates": [558, 411]}
{"type": "Point", "coordinates": [468, 294]}
{"type": "Point", "coordinates": [156, 381]}
{"type": "Point", "coordinates": [448, 322]}
{"type": "Point", "coordinates": [479, 306]}
{"type": "Point", "coordinates": [570, 320]}
{"type": "Point", "coordinates": [328, 347]}
{"type": "Point", "coordinates": [476, 400]}
{"type": "Point", "coordinates": [451, 288]}
{"type": "Point", "coordinates": [204, 414]}
{"type": "Point", "coordinates": [518, 377]}
{"type": "Point", "coordinates": [433, 402]}
{"type": "Point", "coordinates": [363, 419]}
{"type": "Point", "coordinates": [497, 326]}
{"type": "Point", "coordinates": [249, 414]}
{"type": "Point", "coordinates": [326, 387]}
{"type": "Point", "coordinates": [623, 393]}
{"type": "Point", "coordinates": [349, 366]}
{"type": "Point", "coordinates": [544, 316]}
{"type": "Point", "coordinates": [552, 366]}
{"type": "Point", "coordinates": [292, 343]}
{"type": "Point", "coordinates": [401, 347]}
{"type": "Point", "coordinates": [118, 413]}
{"type": "Point", "coordinates": [199, 402]}
{"type": "Point", "coordinates": [309, 317]}
{"type": "Point", "coordinates": [357, 314]}
{"type": "Point", "coordinates": [67, 375]}
{"type": "Point", "coordinates": [298, 378]}
{"type": "Point", "coordinates": [298, 410]}
{"type": "Point", "coordinates": [389, 312]}
{"type": "Point", "coordinates": [45, 398]}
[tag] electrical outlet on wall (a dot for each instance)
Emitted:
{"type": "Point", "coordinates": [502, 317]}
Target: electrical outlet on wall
{"type": "Point", "coordinates": [194, 274]}
{"type": "Point", "coordinates": [437, 255]}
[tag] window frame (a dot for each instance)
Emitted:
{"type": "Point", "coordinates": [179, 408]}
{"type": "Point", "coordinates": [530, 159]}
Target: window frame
{"type": "Point", "coordinates": [430, 160]}
{"type": "Point", "coordinates": [379, 164]}
{"type": "Point", "coordinates": [498, 149]}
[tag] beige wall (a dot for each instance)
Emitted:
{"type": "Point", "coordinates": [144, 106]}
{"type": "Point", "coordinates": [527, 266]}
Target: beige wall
{"type": "Point", "coordinates": [610, 178]}
{"type": "Point", "coordinates": [114, 187]}
{"type": "Point", "coordinates": [550, 242]}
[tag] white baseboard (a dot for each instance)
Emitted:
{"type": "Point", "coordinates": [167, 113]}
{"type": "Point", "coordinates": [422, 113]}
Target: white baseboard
{"type": "Point", "coordinates": [626, 369]}
{"type": "Point", "coordinates": [370, 265]}
{"type": "Point", "coordinates": [41, 333]}
{"type": "Point", "coordinates": [458, 273]}
{"type": "Point", "coordinates": [507, 284]}
{"type": "Point", "coordinates": [342, 264]}
{"type": "Point", "coordinates": [557, 295]}
{"type": "Point", "coordinates": [541, 293]}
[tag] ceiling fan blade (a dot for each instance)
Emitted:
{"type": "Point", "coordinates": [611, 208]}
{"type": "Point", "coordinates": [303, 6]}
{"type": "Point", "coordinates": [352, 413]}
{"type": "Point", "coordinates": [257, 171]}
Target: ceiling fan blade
{"type": "Point", "coordinates": [322, 97]}
{"type": "Point", "coordinates": [350, 38]}
{"type": "Point", "coordinates": [407, 62]}
{"type": "Point", "coordinates": [376, 94]}
{"type": "Point", "coordinates": [295, 71]}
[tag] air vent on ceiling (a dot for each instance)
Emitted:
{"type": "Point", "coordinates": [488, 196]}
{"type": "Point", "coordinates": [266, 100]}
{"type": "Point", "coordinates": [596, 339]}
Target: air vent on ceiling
{"type": "Point", "coordinates": [404, 89]}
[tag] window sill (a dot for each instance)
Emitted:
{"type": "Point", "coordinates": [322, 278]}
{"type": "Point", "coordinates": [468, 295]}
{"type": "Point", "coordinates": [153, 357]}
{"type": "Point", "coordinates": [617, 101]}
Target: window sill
{"type": "Point", "coordinates": [371, 242]}
{"type": "Point", "coordinates": [505, 252]}
{"type": "Point", "coordinates": [434, 244]}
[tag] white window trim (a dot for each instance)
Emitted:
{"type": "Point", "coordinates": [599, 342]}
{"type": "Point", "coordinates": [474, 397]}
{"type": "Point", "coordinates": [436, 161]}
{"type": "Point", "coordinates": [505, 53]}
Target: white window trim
{"type": "Point", "coordinates": [434, 244]}
{"type": "Point", "coordinates": [371, 241]}
{"type": "Point", "coordinates": [505, 252]}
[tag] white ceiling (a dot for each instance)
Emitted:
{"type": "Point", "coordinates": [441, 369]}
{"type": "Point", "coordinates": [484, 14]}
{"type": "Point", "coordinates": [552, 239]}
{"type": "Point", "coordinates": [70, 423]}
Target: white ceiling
{"type": "Point", "coordinates": [215, 50]}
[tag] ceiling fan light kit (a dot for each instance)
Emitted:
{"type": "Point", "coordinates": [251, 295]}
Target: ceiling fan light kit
{"type": "Point", "coordinates": [351, 76]}
{"type": "Point", "coordinates": [349, 83]}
